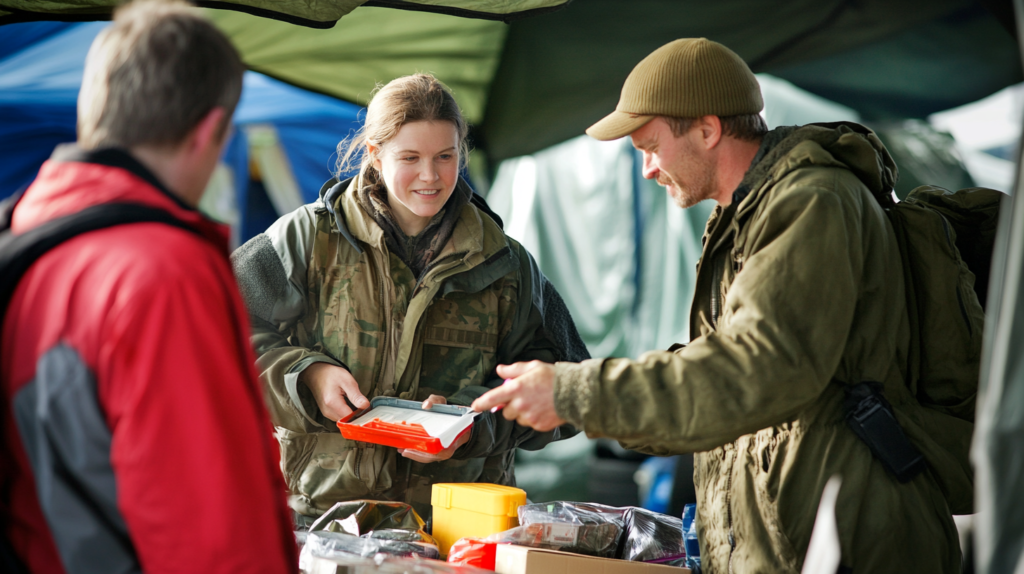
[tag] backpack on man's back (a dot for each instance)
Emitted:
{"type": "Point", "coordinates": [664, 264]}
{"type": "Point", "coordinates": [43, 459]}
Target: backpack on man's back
{"type": "Point", "coordinates": [946, 241]}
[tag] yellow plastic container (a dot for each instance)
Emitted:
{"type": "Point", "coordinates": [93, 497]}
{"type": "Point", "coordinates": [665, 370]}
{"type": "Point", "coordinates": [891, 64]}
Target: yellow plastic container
{"type": "Point", "coordinates": [473, 509]}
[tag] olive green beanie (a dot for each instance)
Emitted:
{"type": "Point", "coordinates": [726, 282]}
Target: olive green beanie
{"type": "Point", "coordinates": [687, 78]}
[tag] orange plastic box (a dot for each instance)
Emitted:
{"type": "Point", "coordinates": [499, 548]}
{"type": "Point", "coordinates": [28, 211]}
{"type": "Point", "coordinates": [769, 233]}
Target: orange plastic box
{"type": "Point", "coordinates": [404, 424]}
{"type": "Point", "coordinates": [473, 509]}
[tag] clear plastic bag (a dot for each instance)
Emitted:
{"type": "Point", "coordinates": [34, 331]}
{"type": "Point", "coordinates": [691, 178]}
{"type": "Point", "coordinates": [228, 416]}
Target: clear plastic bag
{"type": "Point", "coordinates": [356, 554]}
{"type": "Point", "coordinates": [597, 530]}
{"type": "Point", "coordinates": [601, 540]}
{"type": "Point", "coordinates": [572, 513]}
{"type": "Point", "coordinates": [324, 544]}
{"type": "Point", "coordinates": [653, 537]}
{"type": "Point", "coordinates": [371, 527]}
{"type": "Point", "coordinates": [579, 527]}
{"type": "Point", "coordinates": [357, 517]}
{"type": "Point", "coordinates": [419, 566]}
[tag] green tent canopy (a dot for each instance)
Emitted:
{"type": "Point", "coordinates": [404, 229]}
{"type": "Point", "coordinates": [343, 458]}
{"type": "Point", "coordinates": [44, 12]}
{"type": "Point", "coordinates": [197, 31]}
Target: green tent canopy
{"type": "Point", "coordinates": [542, 80]}
{"type": "Point", "coordinates": [372, 46]}
{"type": "Point", "coordinates": [322, 14]}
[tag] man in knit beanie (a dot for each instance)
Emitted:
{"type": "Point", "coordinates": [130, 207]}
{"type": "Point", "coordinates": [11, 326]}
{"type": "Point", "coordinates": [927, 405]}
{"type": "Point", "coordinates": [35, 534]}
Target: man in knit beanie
{"type": "Point", "coordinates": [799, 299]}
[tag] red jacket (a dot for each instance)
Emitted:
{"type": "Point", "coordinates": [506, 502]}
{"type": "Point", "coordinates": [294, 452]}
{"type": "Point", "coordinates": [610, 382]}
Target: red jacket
{"type": "Point", "coordinates": [133, 420]}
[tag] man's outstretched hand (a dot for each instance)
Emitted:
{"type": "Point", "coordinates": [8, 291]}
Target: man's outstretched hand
{"type": "Point", "coordinates": [527, 397]}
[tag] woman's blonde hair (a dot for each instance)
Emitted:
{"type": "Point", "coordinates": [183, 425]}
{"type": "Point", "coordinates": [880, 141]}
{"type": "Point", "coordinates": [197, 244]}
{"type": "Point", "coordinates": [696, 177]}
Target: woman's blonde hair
{"type": "Point", "coordinates": [415, 98]}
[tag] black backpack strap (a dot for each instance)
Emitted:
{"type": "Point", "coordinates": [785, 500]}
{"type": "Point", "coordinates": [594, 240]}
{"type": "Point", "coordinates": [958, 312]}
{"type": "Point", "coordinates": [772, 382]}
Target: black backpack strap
{"type": "Point", "coordinates": [19, 251]}
{"type": "Point", "coordinates": [7, 208]}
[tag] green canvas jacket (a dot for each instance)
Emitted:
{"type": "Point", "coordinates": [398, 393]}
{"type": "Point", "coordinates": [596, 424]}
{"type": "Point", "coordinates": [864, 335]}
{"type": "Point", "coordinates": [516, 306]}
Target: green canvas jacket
{"type": "Point", "coordinates": [799, 291]}
{"type": "Point", "coordinates": [321, 286]}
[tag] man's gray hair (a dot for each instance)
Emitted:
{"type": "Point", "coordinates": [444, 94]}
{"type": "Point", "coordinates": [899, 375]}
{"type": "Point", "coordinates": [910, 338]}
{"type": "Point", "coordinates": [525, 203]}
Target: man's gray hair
{"type": "Point", "coordinates": [152, 75]}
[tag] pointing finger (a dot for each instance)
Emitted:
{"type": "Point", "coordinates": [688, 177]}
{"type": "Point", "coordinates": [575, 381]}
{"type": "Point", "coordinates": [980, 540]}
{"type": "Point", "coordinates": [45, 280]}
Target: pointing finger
{"type": "Point", "coordinates": [498, 396]}
{"type": "Point", "coordinates": [516, 369]}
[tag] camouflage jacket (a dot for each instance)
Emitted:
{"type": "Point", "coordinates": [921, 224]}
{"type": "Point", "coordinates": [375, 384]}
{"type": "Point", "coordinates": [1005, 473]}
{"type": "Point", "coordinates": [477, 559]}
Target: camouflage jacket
{"type": "Point", "coordinates": [799, 290]}
{"type": "Point", "coordinates": [321, 286]}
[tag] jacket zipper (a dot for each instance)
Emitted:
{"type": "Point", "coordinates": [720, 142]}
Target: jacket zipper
{"type": "Point", "coordinates": [728, 509]}
{"type": "Point", "coordinates": [359, 459]}
{"type": "Point", "coordinates": [716, 290]}
{"type": "Point", "coordinates": [959, 295]}
{"type": "Point", "coordinates": [433, 266]}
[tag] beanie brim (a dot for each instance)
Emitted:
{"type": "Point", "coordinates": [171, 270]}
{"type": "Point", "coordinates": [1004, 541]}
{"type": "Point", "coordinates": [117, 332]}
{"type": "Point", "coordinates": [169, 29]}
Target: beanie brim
{"type": "Point", "coordinates": [618, 124]}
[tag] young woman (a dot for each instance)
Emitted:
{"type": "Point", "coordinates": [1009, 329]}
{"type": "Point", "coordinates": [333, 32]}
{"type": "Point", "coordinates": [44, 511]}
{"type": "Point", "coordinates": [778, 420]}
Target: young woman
{"type": "Point", "coordinates": [397, 282]}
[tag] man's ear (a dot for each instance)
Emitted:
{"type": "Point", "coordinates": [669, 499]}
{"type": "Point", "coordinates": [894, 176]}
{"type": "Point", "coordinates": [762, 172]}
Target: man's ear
{"type": "Point", "coordinates": [711, 131]}
{"type": "Point", "coordinates": [210, 131]}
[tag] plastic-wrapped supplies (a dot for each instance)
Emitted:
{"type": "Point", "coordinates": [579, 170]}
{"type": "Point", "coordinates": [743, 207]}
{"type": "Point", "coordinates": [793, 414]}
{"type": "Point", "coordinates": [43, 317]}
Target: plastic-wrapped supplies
{"type": "Point", "coordinates": [357, 517]}
{"type": "Point", "coordinates": [572, 513]}
{"type": "Point", "coordinates": [597, 530]}
{"type": "Point", "coordinates": [653, 537]}
{"type": "Point", "coordinates": [578, 527]}
{"type": "Point", "coordinates": [368, 527]}
{"type": "Point", "coordinates": [601, 540]}
{"type": "Point", "coordinates": [331, 544]}
{"type": "Point", "coordinates": [324, 551]}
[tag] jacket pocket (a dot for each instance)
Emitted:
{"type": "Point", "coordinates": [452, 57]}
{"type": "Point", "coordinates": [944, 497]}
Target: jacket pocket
{"type": "Point", "coordinates": [296, 451]}
{"type": "Point", "coordinates": [460, 338]}
{"type": "Point", "coordinates": [449, 366]}
{"type": "Point", "coordinates": [339, 469]}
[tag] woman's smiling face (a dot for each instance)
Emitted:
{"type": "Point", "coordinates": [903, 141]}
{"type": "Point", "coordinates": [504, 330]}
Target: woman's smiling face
{"type": "Point", "coordinates": [420, 167]}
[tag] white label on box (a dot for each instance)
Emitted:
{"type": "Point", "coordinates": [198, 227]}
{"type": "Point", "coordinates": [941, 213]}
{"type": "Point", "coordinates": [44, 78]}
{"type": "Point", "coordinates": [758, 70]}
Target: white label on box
{"type": "Point", "coordinates": [562, 534]}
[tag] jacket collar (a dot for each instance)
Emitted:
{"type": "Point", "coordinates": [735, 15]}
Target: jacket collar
{"type": "Point", "coordinates": [116, 158]}
{"type": "Point", "coordinates": [844, 144]}
{"type": "Point", "coordinates": [67, 183]}
{"type": "Point", "coordinates": [475, 236]}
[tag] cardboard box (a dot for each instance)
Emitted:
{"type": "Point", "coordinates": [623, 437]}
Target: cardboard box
{"type": "Point", "coordinates": [513, 559]}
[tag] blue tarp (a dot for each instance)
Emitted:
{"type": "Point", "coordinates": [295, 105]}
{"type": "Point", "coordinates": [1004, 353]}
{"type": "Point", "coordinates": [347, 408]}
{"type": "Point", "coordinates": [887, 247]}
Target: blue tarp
{"type": "Point", "coordinates": [41, 68]}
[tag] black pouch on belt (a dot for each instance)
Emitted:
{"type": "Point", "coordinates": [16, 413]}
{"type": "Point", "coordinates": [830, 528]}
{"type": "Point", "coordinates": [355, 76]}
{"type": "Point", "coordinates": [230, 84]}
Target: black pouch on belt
{"type": "Point", "coordinates": [871, 418]}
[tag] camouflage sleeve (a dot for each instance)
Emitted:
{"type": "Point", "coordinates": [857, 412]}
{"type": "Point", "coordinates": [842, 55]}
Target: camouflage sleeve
{"type": "Point", "coordinates": [271, 271]}
{"type": "Point", "coordinates": [535, 325]}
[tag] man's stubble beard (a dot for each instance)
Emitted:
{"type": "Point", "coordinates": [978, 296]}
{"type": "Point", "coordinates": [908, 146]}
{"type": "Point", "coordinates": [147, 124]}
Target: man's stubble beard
{"type": "Point", "coordinates": [704, 184]}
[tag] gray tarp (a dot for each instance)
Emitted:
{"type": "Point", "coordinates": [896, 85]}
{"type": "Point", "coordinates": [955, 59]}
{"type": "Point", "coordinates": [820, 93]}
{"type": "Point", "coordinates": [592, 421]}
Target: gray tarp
{"type": "Point", "coordinates": [998, 451]}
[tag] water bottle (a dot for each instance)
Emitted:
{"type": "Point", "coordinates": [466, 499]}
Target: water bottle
{"type": "Point", "coordinates": [690, 537]}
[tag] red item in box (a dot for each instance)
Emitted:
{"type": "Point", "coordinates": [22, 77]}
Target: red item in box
{"type": "Point", "coordinates": [473, 552]}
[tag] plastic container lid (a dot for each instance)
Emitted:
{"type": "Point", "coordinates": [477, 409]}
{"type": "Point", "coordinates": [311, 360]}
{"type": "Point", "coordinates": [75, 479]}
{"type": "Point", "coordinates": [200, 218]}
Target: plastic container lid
{"type": "Point", "coordinates": [492, 499]}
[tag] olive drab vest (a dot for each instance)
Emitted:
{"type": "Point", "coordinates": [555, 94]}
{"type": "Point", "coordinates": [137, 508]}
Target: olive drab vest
{"type": "Point", "coordinates": [401, 337]}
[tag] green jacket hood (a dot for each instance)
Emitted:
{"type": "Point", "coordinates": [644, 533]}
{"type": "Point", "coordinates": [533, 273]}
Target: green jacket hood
{"type": "Point", "coordinates": [844, 144]}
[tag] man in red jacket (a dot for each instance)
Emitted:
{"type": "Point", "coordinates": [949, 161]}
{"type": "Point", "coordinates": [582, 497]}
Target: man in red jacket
{"type": "Point", "coordinates": [135, 434]}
